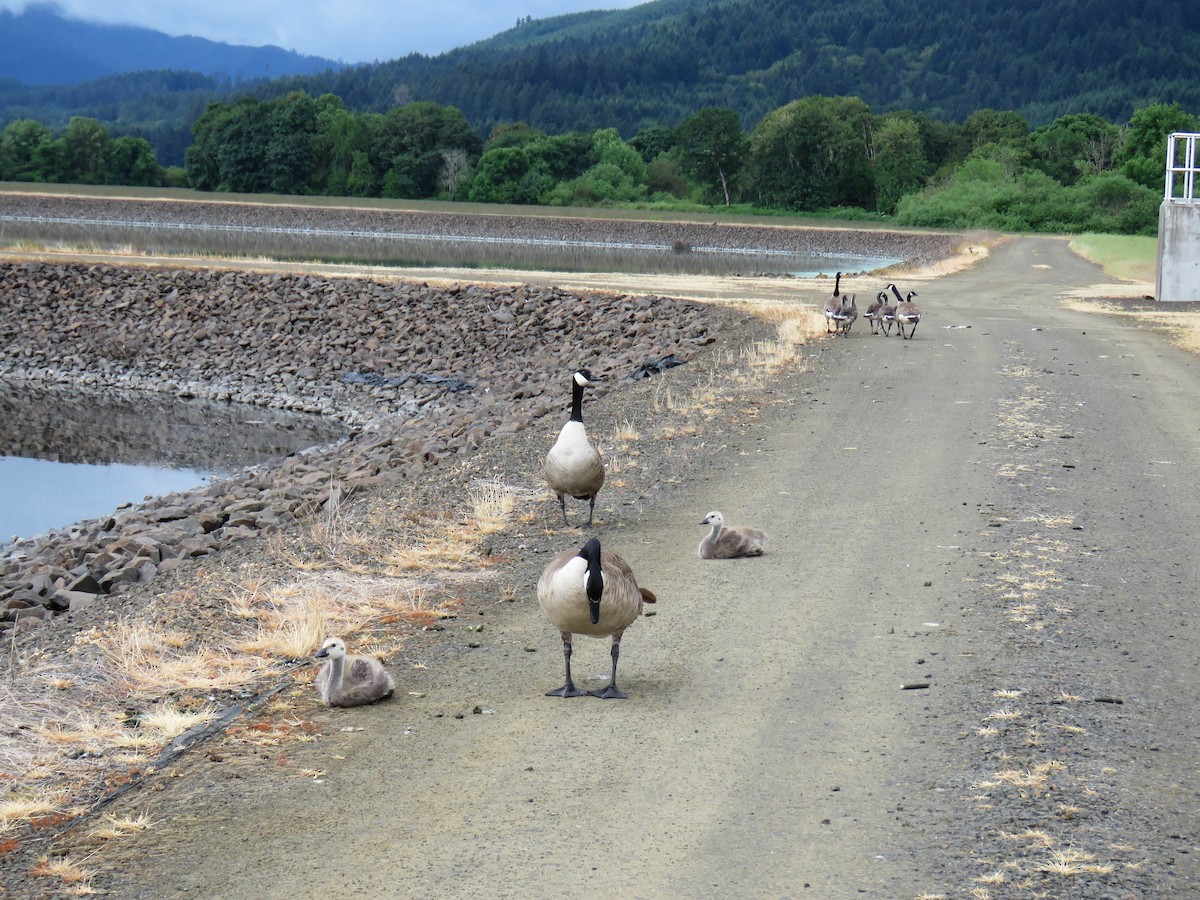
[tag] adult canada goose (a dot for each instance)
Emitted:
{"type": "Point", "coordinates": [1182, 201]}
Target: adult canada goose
{"type": "Point", "coordinates": [591, 592]}
{"type": "Point", "coordinates": [872, 314]}
{"type": "Point", "coordinates": [350, 679]}
{"type": "Point", "coordinates": [833, 306]}
{"type": "Point", "coordinates": [907, 314]}
{"type": "Point", "coordinates": [847, 315]}
{"type": "Point", "coordinates": [573, 465]}
{"type": "Point", "coordinates": [730, 542]}
{"type": "Point", "coordinates": [887, 314]}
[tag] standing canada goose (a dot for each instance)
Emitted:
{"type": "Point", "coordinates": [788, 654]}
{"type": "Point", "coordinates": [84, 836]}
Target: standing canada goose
{"type": "Point", "coordinates": [887, 314]}
{"type": "Point", "coordinates": [833, 306]}
{"type": "Point", "coordinates": [350, 679]}
{"type": "Point", "coordinates": [907, 314]}
{"type": "Point", "coordinates": [730, 542]}
{"type": "Point", "coordinates": [847, 315]}
{"type": "Point", "coordinates": [590, 592]}
{"type": "Point", "coordinates": [573, 465]}
{"type": "Point", "coordinates": [874, 309]}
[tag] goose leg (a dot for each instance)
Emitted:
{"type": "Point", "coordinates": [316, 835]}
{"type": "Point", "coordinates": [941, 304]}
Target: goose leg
{"type": "Point", "coordinates": [568, 689]}
{"type": "Point", "coordinates": [611, 692]}
{"type": "Point", "coordinates": [562, 504]}
{"type": "Point", "coordinates": [591, 510]}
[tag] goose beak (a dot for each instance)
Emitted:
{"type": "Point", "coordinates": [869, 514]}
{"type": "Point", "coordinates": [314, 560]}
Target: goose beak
{"type": "Point", "coordinates": [704, 521]}
{"type": "Point", "coordinates": [594, 610]}
{"type": "Point", "coordinates": [323, 652]}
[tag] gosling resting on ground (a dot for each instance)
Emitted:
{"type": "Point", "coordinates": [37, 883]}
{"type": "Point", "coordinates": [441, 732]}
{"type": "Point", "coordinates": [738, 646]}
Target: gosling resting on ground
{"type": "Point", "coordinates": [730, 542]}
{"type": "Point", "coordinates": [591, 592]}
{"type": "Point", "coordinates": [350, 679]}
{"type": "Point", "coordinates": [574, 466]}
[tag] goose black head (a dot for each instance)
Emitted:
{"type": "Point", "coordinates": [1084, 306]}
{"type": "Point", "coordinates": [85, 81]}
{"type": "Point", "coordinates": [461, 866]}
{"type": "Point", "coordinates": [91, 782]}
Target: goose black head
{"type": "Point", "coordinates": [584, 377]}
{"type": "Point", "coordinates": [594, 585]}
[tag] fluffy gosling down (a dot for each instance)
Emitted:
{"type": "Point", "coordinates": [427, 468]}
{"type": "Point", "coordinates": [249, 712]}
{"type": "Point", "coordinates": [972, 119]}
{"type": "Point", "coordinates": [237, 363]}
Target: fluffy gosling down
{"type": "Point", "coordinates": [590, 592]}
{"type": "Point", "coordinates": [574, 466]}
{"type": "Point", "coordinates": [350, 679]}
{"type": "Point", "coordinates": [730, 541]}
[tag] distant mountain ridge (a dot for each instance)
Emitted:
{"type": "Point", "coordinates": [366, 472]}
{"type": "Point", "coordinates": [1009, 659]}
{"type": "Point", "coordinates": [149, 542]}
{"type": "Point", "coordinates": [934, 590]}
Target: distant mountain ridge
{"type": "Point", "coordinates": [41, 46]}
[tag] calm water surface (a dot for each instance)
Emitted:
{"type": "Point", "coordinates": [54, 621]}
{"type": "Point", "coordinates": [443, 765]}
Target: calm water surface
{"type": "Point", "coordinates": [67, 456]}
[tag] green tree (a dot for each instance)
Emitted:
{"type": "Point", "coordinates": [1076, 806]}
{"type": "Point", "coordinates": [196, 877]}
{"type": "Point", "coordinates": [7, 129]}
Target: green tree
{"type": "Point", "coordinates": [340, 137]}
{"type": "Point", "coordinates": [20, 144]}
{"type": "Point", "coordinates": [1143, 154]}
{"type": "Point", "coordinates": [899, 160]}
{"type": "Point", "coordinates": [409, 142]}
{"type": "Point", "coordinates": [498, 176]}
{"type": "Point", "coordinates": [812, 154]}
{"type": "Point", "coordinates": [992, 126]}
{"type": "Point", "coordinates": [291, 123]}
{"type": "Point", "coordinates": [1073, 146]}
{"type": "Point", "coordinates": [131, 161]}
{"type": "Point", "coordinates": [85, 151]}
{"type": "Point", "coordinates": [713, 148]}
{"type": "Point", "coordinates": [653, 141]}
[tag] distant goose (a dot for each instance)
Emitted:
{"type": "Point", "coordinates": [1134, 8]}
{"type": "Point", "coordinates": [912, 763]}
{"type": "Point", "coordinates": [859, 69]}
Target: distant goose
{"type": "Point", "coordinates": [574, 466]}
{"type": "Point", "coordinates": [907, 314]}
{"type": "Point", "coordinates": [730, 542]}
{"type": "Point", "coordinates": [590, 592]}
{"type": "Point", "coordinates": [350, 679]}
{"type": "Point", "coordinates": [833, 306]}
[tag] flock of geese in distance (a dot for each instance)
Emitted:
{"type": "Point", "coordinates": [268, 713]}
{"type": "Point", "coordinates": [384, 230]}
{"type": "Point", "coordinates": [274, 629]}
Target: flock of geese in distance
{"type": "Point", "coordinates": [592, 591]}
{"type": "Point", "coordinates": [842, 312]}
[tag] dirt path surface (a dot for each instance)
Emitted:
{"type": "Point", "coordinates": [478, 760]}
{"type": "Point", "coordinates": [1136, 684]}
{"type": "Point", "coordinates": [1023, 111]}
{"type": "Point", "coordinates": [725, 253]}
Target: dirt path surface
{"type": "Point", "coordinates": [964, 668]}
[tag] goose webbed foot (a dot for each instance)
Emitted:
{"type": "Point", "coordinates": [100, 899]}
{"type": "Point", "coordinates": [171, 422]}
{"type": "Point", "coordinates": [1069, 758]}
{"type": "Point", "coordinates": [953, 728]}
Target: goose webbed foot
{"type": "Point", "coordinates": [609, 693]}
{"type": "Point", "coordinates": [567, 690]}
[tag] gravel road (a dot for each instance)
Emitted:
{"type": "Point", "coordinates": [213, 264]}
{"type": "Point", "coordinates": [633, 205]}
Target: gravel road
{"type": "Point", "coordinates": [964, 667]}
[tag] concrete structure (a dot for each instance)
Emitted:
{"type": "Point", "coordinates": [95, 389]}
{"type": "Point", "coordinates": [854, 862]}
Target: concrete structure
{"type": "Point", "coordinates": [1179, 223]}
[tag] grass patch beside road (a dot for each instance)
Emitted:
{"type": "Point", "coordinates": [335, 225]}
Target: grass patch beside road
{"type": "Point", "coordinates": [1128, 257]}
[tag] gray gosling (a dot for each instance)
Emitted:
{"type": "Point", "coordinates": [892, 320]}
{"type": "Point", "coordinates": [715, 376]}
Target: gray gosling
{"type": "Point", "coordinates": [350, 679]}
{"type": "Point", "coordinates": [730, 542]}
{"type": "Point", "coordinates": [574, 466]}
{"type": "Point", "coordinates": [590, 592]}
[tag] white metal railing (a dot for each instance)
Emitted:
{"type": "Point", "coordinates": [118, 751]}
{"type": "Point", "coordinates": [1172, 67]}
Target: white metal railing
{"type": "Point", "coordinates": [1182, 162]}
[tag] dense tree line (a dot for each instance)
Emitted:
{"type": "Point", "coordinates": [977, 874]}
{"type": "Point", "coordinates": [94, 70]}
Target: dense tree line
{"type": "Point", "coordinates": [83, 153]}
{"type": "Point", "coordinates": [817, 154]}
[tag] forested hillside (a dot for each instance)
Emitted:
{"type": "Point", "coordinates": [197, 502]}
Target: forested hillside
{"type": "Point", "coordinates": [659, 62]}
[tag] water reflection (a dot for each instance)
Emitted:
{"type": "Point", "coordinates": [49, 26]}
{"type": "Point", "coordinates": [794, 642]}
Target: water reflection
{"type": "Point", "coordinates": [67, 455]}
{"type": "Point", "coordinates": [402, 248]}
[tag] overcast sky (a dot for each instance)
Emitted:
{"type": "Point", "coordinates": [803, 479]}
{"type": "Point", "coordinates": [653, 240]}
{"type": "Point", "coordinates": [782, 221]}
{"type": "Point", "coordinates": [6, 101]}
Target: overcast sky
{"type": "Point", "coordinates": [348, 30]}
